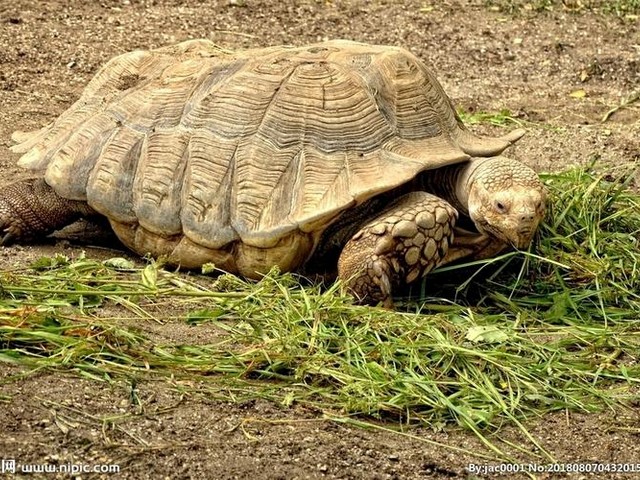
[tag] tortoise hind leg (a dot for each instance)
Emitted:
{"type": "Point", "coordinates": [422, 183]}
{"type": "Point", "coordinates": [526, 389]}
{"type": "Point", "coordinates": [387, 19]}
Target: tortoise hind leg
{"type": "Point", "coordinates": [31, 209]}
{"type": "Point", "coordinates": [93, 231]}
{"type": "Point", "coordinates": [405, 242]}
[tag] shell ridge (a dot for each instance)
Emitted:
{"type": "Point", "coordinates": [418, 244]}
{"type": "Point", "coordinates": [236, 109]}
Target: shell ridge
{"type": "Point", "coordinates": [109, 189]}
{"type": "Point", "coordinates": [73, 161]}
{"type": "Point", "coordinates": [275, 97]}
{"type": "Point", "coordinates": [333, 188]}
{"type": "Point", "coordinates": [286, 184]}
{"type": "Point", "coordinates": [158, 185]}
{"type": "Point", "coordinates": [213, 203]}
{"type": "Point", "coordinates": [258, 223]}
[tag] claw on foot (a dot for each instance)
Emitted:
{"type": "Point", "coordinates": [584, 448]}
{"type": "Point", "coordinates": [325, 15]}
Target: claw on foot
{"type": "Point", "coordinates": [8, 238]}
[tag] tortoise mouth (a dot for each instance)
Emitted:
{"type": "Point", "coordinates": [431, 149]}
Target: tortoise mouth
{"type": "Point", "coordinates": [525, 236]}
{"type": "Point", "coordinates": [519, 239]}
{"type": "Point", "coordinates": [523, 242]}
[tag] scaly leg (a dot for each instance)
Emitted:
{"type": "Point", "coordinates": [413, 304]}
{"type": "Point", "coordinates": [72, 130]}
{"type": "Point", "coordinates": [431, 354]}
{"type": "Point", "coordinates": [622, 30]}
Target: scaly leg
{"type": "Point", "coordinates": [31, 209]}
{"type": "Point", "coordinates": [405, 242]}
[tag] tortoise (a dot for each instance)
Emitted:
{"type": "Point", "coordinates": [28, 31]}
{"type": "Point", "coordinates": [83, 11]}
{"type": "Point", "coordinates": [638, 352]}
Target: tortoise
{"type": "Point", "coordinates": [333, 156]}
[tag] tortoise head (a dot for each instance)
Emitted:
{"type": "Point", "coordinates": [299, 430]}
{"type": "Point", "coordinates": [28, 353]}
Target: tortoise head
{"type": "Point", "coordinates": [506, 199]}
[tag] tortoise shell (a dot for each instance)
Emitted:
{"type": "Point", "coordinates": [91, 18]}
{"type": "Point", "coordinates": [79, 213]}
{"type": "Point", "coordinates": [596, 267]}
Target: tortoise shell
{"type": "Point", "coordinates": [244, 158]}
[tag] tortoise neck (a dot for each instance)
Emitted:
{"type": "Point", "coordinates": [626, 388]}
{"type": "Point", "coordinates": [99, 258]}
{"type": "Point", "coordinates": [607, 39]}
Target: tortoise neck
{"type": "Point", "coordinates": [452, 183]}
{"type": "Point", "coordinates": [464, 177]}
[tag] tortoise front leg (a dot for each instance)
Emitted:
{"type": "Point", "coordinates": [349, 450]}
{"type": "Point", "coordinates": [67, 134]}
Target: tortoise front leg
{"type": "Point", "coordinates": [30, 209]}
{"type": "Point", "coordinates": [405, 242]}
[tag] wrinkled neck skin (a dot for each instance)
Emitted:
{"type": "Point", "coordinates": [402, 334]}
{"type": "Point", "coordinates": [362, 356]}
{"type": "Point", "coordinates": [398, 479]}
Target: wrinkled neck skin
{"type": "Point", "coordinates": [463, 179]}
{"type": "Point", "coordinates": [453, 183]}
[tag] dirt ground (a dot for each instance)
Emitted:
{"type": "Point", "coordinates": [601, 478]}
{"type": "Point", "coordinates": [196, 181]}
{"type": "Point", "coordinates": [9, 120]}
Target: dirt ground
{"type": "Point", "coordinates": [558, 71]}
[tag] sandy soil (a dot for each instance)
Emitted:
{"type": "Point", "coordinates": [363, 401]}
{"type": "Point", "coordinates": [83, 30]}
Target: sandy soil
{"type": "Point", "coordinates": [558, 71]}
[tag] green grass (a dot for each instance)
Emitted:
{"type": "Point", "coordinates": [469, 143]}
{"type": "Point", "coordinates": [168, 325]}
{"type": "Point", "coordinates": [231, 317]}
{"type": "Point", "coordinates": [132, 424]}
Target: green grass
{"type": "Point", "coordinates": [503, 118]}
{"type": "Point", "coordinates": [551, 329]}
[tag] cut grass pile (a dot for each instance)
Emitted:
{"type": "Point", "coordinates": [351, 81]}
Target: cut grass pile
{"type": "Point", "coordinates": [554, 328]}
